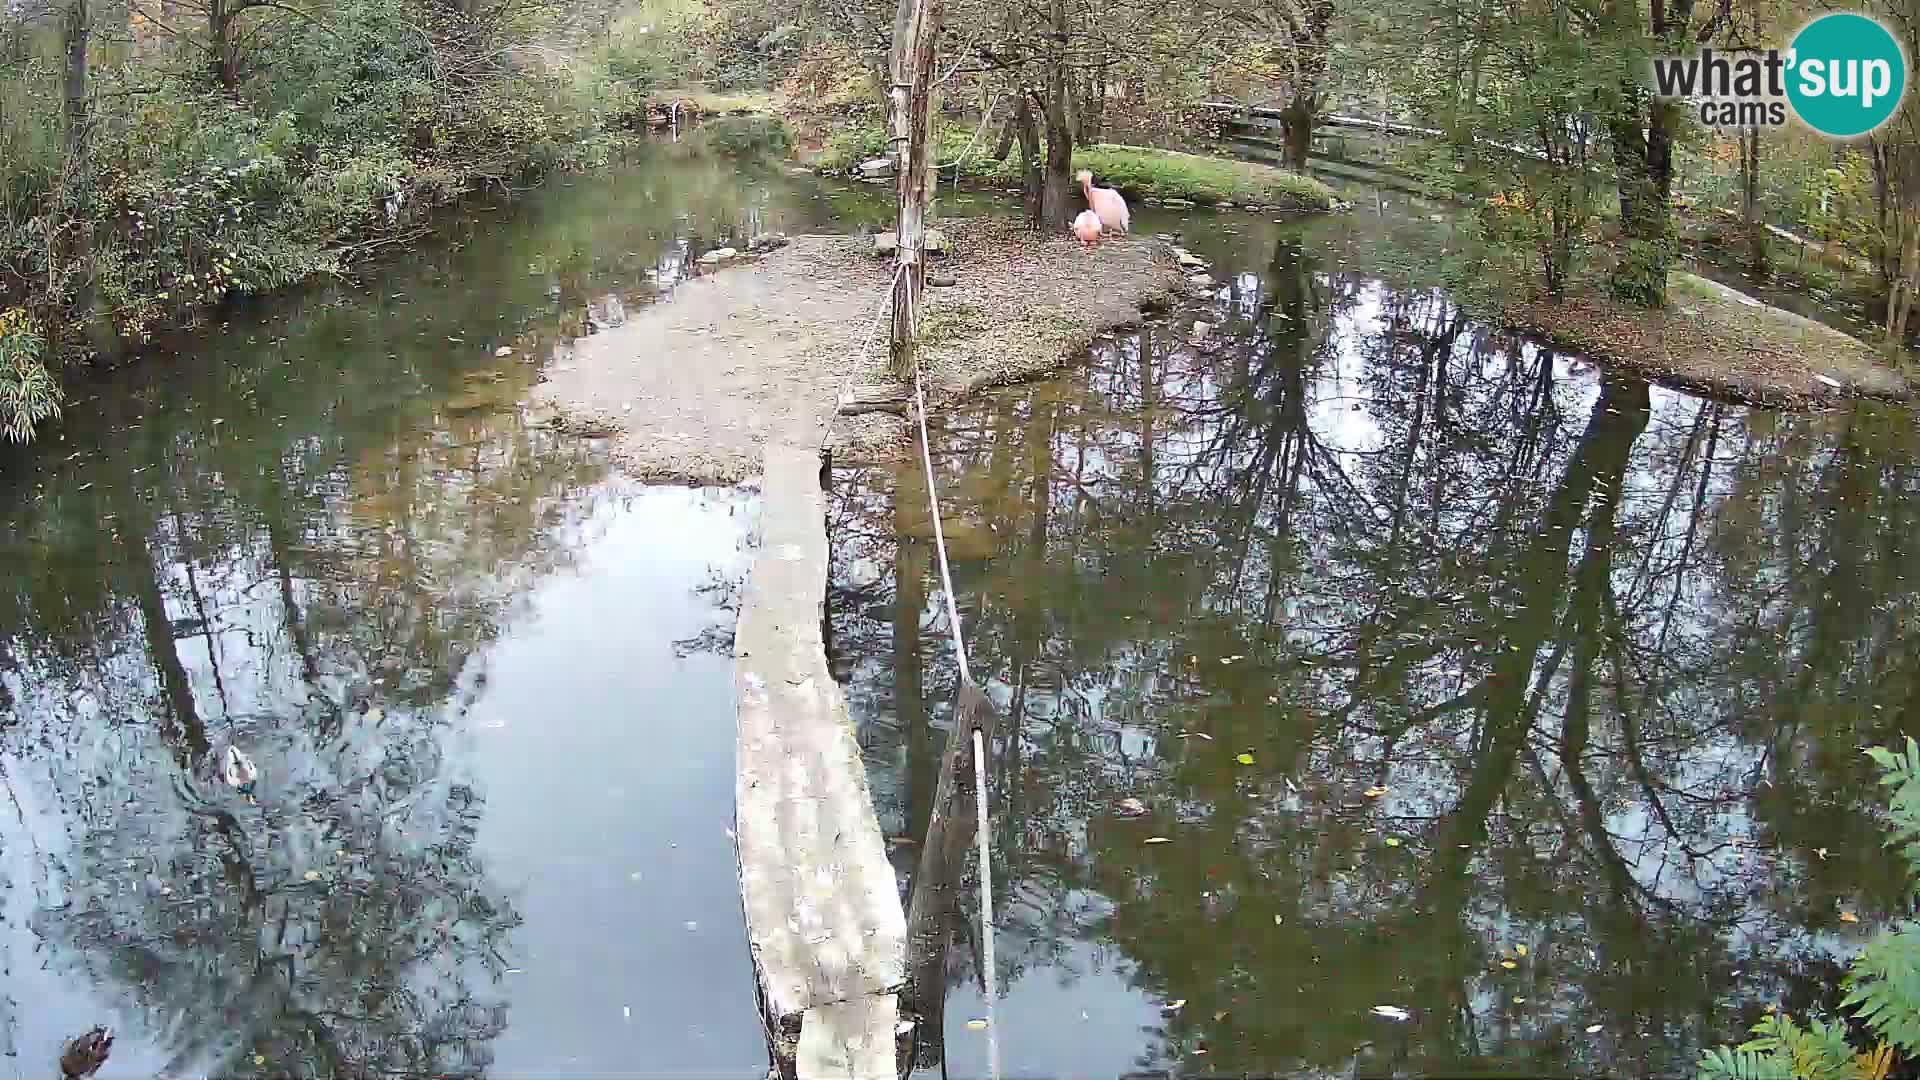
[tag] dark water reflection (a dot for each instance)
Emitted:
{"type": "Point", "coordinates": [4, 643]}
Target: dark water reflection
{"type": "Point", "coordinates": [1552, 685]}
{"type": "Point", "coordinates": [491, 834]}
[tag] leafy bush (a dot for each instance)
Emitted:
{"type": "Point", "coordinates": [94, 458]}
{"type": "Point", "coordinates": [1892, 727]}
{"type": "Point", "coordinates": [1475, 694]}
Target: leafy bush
{"type": "Point", "coordinates": [190, 193]}
{"type": "Point", "coordinates": [1883, 987]}
{"type": "Point", "coordinates": [28, 392]}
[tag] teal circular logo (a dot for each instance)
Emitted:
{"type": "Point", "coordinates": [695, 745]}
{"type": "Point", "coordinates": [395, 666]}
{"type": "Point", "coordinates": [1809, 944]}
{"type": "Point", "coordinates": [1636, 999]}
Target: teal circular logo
{"type": "Point", "coordinates": [1845, 75]}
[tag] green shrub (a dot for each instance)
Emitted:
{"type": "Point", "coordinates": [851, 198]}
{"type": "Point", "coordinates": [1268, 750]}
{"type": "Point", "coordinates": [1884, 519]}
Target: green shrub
{"type": "Point", "coordinates": [28, 390]}
{"type": "Point", "coordinates": [1883, 987]}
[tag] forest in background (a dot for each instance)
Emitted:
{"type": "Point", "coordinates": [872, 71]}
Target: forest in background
{"type": "Point", "coordinates": [161, 157]}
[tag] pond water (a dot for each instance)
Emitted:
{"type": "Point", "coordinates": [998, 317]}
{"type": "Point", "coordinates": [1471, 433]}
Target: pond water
{"type": "Point", "coordinates": [1457, 677]}
{"type": "Point", "coordinates": [1602, 654]}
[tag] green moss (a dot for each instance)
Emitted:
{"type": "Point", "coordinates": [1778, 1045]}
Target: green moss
{"type": "Point", "coordinates": [1139, 172]}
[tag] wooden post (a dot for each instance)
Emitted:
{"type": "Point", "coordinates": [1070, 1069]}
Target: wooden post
{"type": "Point", "coordinates": [916, 32]}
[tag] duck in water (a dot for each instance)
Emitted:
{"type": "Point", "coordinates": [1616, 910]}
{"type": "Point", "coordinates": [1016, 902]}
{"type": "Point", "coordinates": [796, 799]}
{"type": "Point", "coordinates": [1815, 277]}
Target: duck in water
{"type": "Point", "coordinates": [85, 1055]}
{"type": "Point", "coordinates": [239, 771]}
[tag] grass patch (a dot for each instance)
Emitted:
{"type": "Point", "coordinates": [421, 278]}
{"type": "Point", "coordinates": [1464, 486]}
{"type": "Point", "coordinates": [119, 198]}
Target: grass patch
{"type": "Point", "coordinates": [1142, 172]}
{"type": "Point", "coordinates": [750, 101]}
{"type": "Point", "coordinates": [1139, 172]}
{"type": "Point", "coordinates": [1717, 340]}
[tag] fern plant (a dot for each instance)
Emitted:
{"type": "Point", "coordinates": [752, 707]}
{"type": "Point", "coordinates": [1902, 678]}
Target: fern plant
{"type": "Point", "coordinates": [1883, 987]}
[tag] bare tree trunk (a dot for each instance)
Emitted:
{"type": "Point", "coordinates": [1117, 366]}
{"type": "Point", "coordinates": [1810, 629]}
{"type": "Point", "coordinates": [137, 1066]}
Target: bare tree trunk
{"type": "Point", "coordinates": [1057, 204]}
{"type": "Point", "coordinates": [1750, 202]}
{"type": "Point", "coordinates": [1028, 128]}
{"type": "Point", "coordinates": [913, 66]}
{"type": "Point", "coordinates": [76, 29]}
{"type": "Point", "coordinates": [1900, 302]}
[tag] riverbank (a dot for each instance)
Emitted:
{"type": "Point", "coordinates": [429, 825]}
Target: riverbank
{"type": "Point", "coordinates": [1718, 341]}
{"type": "Point", "coordinates": [693, 388]}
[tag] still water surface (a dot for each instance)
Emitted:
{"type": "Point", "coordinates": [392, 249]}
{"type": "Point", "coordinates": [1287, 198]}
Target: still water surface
{"type": "Point", "coordinates": [1602, 655]}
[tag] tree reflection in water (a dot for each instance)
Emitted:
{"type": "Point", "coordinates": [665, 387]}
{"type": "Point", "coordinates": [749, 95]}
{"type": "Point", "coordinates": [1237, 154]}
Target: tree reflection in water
{"type": "Point", "coordinates": [320, 603]}
{"type": "Point", "coordinates": [1602, 654]}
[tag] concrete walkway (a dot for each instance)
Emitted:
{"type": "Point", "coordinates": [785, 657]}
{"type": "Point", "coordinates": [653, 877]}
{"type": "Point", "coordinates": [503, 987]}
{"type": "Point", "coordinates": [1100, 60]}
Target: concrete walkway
{"type": "Point", "coordinates": [823, 912]}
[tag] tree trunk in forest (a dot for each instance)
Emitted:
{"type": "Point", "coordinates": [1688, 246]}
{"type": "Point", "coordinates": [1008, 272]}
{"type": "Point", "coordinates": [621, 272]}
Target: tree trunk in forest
{"type": "Point", "coordinates": [1756, 229]}
{"type": "Point", "coordinates": [1298, 117]}
{"type": "Point", "coordinates": [1900, 300]}
{"type": "Point", "coordinates": [1882, 211]}
{"type": "Point", "coordinates": [76, 28]}
{"type": "Point", "coordinates": [1028, 129]}
{"type": "Point", "coordinates": [1643, 161]}
{"type": "Point", "coordinates": [1003, 140]}
{"type": "Point", "coordinates": [1311, 30]}
{"type": "Point", "coordinates": [913, 56]}
{"type": "Point", "coordinates": [1057, 204]}
{"type": "Point", "coordinates": [226, 64]}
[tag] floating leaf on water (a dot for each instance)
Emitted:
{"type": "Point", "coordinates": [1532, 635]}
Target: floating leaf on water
{"type": "Point", "coordinates": [1277, 920]}
{"type": "Point", "coordinates": [1220, 1016]}
{"type": "Point", "coordinates": [1156, 840]}
{"type": "Point", "coordinates": [1244, 759]}
{"type": "Point", "coordinates": [1520, 950]}
{"type": "Point", "coordinates": [976, 1025]}
{"type": "Point", "coordinates": [376, 714]}
{"type": "Point", "coordinates": [626, 1011]}
{"type": "Point", "coordinates": [1393, 841]}
{"type": "Point", "coordinates": [1848, 916]}
{"type": "Point", "coordinates": [1822, 852]}
{"type": "Point", "coordinates": [1519, 1001]}
{"type": "Point", "coordinates": [1131, 807]}
{"type": "Point", "coordinates": [1391, 1012]}
{"type": "Point", "coordinates": [313, 875]}
{"type": "Point", "coordinates": [1374, 792]}
{"type": "Point", "coordinates": [1175, 1005]}
{"type": "Point", "coordinates": [504, 350]}
{"type": "Point", "coordinates": [1593, 1029]}
{"type": "Point", "coordinates": [1194, 735]}
{"type": "Point", "coordinates": [1508, 964]}
{"type": "Point", "coordinates": [259, 1059]}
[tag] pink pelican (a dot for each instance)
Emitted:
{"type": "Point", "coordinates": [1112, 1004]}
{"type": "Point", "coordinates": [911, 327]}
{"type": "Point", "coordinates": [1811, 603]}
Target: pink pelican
{"type": "Point", "coordinates": [1106, 202]}
{"type": "Point", "coordinates": [1087, 227]}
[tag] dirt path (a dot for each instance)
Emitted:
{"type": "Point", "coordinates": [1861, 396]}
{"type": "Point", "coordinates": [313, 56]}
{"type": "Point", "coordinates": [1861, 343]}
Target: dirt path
{"type": "Point", "coordinates": [694, 386]}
